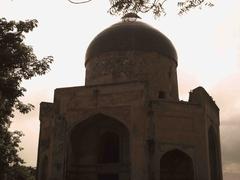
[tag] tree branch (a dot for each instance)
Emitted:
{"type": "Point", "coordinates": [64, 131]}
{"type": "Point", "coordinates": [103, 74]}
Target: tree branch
{"type": "Point", "coordinates": [80, 2]}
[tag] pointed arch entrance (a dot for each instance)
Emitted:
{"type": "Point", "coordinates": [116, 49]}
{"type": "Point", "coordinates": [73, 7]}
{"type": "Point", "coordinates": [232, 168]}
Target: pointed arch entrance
{"type": "Point", "coordinates": [176, 165]}
{"type": "Point", "coordinates": [99, 149]}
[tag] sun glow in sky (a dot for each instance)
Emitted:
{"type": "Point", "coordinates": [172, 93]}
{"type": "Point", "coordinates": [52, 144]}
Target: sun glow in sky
{"type": "Point", "coordinates": [207, 42]}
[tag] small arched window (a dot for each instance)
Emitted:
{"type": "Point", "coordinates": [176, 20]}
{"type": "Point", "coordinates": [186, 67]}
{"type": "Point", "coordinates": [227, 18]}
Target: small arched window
{"type": "Point", "coordinates": [109, 148]}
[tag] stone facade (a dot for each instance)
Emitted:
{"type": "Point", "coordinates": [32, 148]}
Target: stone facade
{"type": "Point", "coordinates": [127, 123]}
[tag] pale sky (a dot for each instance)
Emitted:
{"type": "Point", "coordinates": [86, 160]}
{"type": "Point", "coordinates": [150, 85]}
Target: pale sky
{"type": "Point", "coordinates": [207, 42]}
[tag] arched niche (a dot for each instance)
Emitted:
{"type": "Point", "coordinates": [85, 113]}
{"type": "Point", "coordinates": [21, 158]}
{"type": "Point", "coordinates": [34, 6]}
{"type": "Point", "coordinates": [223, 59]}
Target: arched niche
{"type": "Point", "coordinates": [176, 165]}
{"type": "Point", "coordinates": [109, 148]}
{"type": "Point", "coordinates": [213, 154]}
{"type": "Point", "coordinates": [99, 149]}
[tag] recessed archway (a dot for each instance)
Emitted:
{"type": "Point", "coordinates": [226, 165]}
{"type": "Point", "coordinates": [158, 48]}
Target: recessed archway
{"type": "Point", "coordinates": [109, 148]}
{"type": "Point", "coordinates": [99, 149]}
{"type": "Point", "coordinates": [176, 165]}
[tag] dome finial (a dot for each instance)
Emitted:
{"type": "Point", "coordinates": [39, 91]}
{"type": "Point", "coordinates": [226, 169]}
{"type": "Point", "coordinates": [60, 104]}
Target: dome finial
{"type": "Point", "coordinates": [130, 17]}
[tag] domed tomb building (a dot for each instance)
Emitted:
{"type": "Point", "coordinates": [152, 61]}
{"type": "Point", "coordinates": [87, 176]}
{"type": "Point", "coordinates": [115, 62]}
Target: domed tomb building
{"type": "Point", "coordinates": [127, 122]}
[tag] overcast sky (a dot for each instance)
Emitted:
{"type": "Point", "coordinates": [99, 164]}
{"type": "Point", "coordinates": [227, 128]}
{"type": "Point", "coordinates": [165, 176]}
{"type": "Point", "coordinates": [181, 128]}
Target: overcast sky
{"type": "Point", "coordinates": [207, 42]}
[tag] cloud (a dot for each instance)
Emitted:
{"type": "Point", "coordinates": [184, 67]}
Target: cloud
{"type": "Point", "coordinates": [231, 176]}
{"type": "Point", "coordinates": [226, 94]}
{"type": "Point", "coordinates": [230, 141]}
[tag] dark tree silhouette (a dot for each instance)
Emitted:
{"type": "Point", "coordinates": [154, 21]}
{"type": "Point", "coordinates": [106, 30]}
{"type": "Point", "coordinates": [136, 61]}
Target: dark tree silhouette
{"type": "Point", "coordinates": [121, 7]}
{"type": "Point", "coordinates": [20, 172]}
{"type": "Point", "coordinates": [17, 63]}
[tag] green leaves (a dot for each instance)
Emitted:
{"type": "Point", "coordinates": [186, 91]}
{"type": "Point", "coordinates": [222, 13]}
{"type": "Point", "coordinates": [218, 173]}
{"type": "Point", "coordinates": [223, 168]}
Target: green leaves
{"type": "Point", "coordinates": [23, 108]}
{"type": "Point", "coordinates": [9, 148]}
{"type": "Point", "coordinates": [186, 5]}
{"type": "Point", "coordinates": [18, 172]}
{"type": "Point", "coordinates": [121, 7]}
{"type": "Point", "coordinates": [17, 63]}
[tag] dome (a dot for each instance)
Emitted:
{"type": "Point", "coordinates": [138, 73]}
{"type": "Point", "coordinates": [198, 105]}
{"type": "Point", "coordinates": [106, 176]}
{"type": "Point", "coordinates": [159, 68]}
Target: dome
{"type": "Point", "coordinates": [131, 36]}
{"type": "Point", "coordinates": [132, 51]}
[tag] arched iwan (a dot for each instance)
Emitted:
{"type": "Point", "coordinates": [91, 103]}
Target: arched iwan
{"type": "Point", "coordinates": [99, 149]}
{"type": "Point", "coordinates": [176, 165]}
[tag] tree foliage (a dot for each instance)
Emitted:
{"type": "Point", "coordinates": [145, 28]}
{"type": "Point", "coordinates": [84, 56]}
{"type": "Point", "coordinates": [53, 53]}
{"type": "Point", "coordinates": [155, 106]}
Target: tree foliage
{"type": "Point", "coordinates": [19, 172]}
{"type": "Point", "coordinates": [157, 7]}
{"type": "Point", "coordinates": [17, 63]}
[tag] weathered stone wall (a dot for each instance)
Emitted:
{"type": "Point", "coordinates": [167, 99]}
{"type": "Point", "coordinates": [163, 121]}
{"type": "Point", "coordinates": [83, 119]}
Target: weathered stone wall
{"type": "Point", "coordinates": [155, 127]}
{"type": "Point", "coordinates": [44, 167]}
{"type": "Point", "coordinates": [124, 102]}
{"type": "Point", "coordinates": [181, 125]}
{"type": "Point", "coordinates": [159, 72]}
